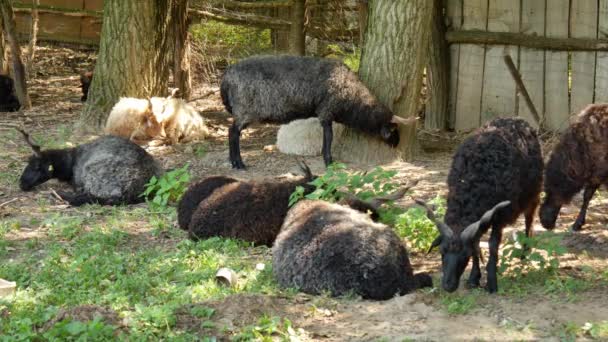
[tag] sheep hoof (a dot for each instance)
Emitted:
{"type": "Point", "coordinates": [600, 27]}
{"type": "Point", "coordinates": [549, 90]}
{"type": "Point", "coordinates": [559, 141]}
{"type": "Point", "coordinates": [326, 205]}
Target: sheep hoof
{"type": "Point", "coordinates": [472, 285]}
{"type": "Point", "coordinates": [491, 288]}
{"type": "Point", "coordinates": [239, 165]}
{"type": "Point", "coordinates": [576, 227]}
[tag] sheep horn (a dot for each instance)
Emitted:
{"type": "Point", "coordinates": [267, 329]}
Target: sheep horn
{"type": "Point", "coordinates": [173, 92]}
{"type": "Point", "coordinates": [401, 121]}
{"type": "Point", "coordinates": [442, 227]}
{"type": "Point", "coordinates": [28, 140]}
{"type": "Point", "coordinates": [378, 201]}
{"type": "Point", "coordinates": [305, 169]}
{"type": "Point", "coordinates": [483, 222]}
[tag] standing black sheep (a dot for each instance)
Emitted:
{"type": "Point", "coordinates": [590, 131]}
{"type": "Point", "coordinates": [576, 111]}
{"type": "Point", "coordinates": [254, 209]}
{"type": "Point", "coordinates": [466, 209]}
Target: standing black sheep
{"type": "Point", "coordinates": [8, 101]}
{"type": "Point", "coordinates": [279, 89]}
{"type": "Point", "coordinates": [248, 210]}
{"type": "Point", "coordinates": [580, 160]}
{"type": "Point", "coordinates": [109, 170]}
{"type": "Point", "coordinates": [331, 247]}
{"type": "Point", "coordinates": [496, 175]}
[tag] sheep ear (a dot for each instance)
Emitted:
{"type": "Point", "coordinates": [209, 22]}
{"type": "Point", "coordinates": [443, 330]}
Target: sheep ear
{"type": "Point", "coordinates": [435, 244]}
{"type": "Point", "coordinates": [484, 222]}
{"type": "Point", "coordinates": [28, 140]}
{"type": "Point", "coordinates": [378, 201]}
{"type": "Point", "coordinates": [404, 121]}
{"type": "Point", "coordinates": [443, 228]}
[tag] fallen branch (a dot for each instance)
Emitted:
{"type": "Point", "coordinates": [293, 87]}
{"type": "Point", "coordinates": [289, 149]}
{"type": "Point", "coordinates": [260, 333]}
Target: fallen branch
{"type": "Point", "coordinates": [8, 202]}
{"type": "Point", "coordinates": [205, 95]}
{"type": "Point", "coordinates": [521, 87]}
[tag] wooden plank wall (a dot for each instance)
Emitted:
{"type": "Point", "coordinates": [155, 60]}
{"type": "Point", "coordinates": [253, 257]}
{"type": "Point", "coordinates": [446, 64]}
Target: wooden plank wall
{"type": "Point", "coordinates": [69, 21]}
{"type": "Point", "coordinates": [560, 83]}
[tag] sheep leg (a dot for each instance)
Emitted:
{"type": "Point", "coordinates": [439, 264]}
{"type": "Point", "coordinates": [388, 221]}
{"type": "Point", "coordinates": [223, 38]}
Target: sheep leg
{"type": "Point", "coordinates": [77, 199]}
{"type": "Point", "coordinates": [587, 196]}
{"type": "Point", "coordinates": [475, 275]}
{"type": "Point", "coordinates": [234, 136]}
{"type": "Point", "coordinates": [491, 267]}
{"type": "Point", "coordinates": [328, 135]}
{"type": "Point", "coordinates": [529, 218]}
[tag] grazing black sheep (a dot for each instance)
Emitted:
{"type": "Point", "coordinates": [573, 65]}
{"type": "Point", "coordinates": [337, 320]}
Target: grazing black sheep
{"type": "Point", "coordinates": [8, 101]}
{"type": "Point", "coordinates": [195, 194]}
{"type": "Point", "coordinates": [496, 175]}
{"type": "Point", "coordinates": [85, 82]}
{"type": "Point", "coordinates": [279, 89]}
{"type": "Point", "coordinates": [331, 247]}
{"type": "Point", "coordinates": [580, 160]}
{"type": "Point", "coordinates": [109, 170]}
{"type": "Point", "coordinates": [248, 210]}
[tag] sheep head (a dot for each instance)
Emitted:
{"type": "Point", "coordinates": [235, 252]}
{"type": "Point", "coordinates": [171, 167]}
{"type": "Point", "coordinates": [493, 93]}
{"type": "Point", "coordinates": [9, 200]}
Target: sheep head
{"type": "Point", "coordinates": [38, 170]}
{"type": "Point", "coordinates": [549, 211]}
{"type": "Point", "coordinates": [390, 131]}
{"type": "Point", "coordinates": [457, 248]}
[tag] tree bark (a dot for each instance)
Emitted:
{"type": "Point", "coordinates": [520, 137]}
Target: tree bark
{"type": "Point", "coordinates": [363, 13]}
{"type": "Point", "coordinates": [8, 18]}
{"type": "Point", "coordinates": [181, 57]}
{"type": "Point", "coordinates": [437, 73]}
{"type": "Point", "coordinates": [3, 51]}
{"type": "Point", "coordinates": [133, 56]}
{"type": "Point", "coordinates": [297, 36]}
{"type": "Point", "coordinates": [393, 59]}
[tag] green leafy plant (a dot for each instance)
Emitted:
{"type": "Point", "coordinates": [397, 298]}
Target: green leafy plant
{"type": "Point", "coordinates": [416, 228]}
{"type": "Point", "coordinates": [459, 305]}
{"type": "Point", "coordinates": [95, 330]}
{"type": "Point", "coordinates": [168, 188]}
{"type": "Point", "coordinates": [351, 59]}
{"type": "Point", "coordinates": [266, 329]}
{"type": "Point", "coordinates": [336, 181]}
{"type": "Point", "coordinates": [540, 252]}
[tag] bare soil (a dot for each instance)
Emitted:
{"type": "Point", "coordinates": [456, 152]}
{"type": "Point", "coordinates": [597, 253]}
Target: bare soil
{"type": "Point", "coordinates": [56, 95]}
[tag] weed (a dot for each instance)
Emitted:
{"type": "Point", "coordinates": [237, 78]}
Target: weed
{"type": "Point", "coordinates": [267, 328]}
{"type": "Point", "coordinates": [418, 230]}
{"type": "Point", "coordinates": [168, 188]}
{"type": "Point", "coordinates": [459, 305]}
{"type": "Point", "coordinates": [543, 253]}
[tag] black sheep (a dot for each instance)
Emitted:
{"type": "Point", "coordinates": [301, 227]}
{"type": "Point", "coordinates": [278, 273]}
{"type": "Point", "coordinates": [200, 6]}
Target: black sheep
{"type": "Point", "coordinates": [580, 160]}
{"type": "Point", "coordinates": [109, 170]}
{"type": "Point", "coordinates": [331, 247]}
{"type": "Point", "coordinates": [195, 194]}
{"type": "Point", "coordinates": [279, 89]}
{"type": "Point", "coordinates": [8, 101]}
{"type": "Point", "coordinates": [85, 82]}
{"type": "Point", "coordinates": [496, 175]}
{"type": "Point", "coordinates": [248, 210]}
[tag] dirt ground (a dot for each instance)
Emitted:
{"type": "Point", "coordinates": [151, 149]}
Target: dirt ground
{"type": "Point", "coordinates": [420, 316]}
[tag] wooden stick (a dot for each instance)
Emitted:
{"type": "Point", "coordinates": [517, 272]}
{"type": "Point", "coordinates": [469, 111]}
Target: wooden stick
{"type": "Point", "coordinates": [521, 87]}
{"type": "Point", "coordinates": [7, 202]}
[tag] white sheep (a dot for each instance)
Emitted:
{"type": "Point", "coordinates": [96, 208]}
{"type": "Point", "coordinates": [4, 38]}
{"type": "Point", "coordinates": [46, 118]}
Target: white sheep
{"type": "Point", "coordinates": [304, 137]}
{"type": "Point", "coordinates": [181, 122]}
{"type": "Point", "coordinates": [134, 119]}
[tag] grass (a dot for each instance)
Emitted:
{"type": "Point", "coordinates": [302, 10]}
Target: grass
{"type": "Point", "coordinates": [99, 260]}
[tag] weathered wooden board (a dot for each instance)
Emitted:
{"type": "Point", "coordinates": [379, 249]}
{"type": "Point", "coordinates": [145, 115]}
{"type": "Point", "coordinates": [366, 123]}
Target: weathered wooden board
{"type": "Point", "coordinates": [583, 24]}
{"type": "Point", "coordinates": [532, 61]}
{"type": "Point", "coordinates": [557, 104]}
{"type": "Point", "coordinates": [470, 68]}
{"type": "Point", "coordinates": [454, 13]}
{"type": "Point", "coordinates": [601, 72]}
{"type": "Point", "coordinates": [498, 95]}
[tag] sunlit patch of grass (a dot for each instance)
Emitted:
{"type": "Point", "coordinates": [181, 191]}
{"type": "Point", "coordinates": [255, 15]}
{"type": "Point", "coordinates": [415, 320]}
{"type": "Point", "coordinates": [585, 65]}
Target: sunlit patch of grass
{"type": "Point", "coordinates": [456, 304]}
{"type": "Point", "coordinates": [91, 259]}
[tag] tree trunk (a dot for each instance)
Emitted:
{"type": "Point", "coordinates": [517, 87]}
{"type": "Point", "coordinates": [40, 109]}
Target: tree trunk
{"type": "Point", "coordinates": [3, 51]}
{"type": "Point", "coordinates": [133, 59]}
{"type": "Point", "coordinates": [437, 73]}
{"type": "Point", "coordinates": [8, 18]}
{"type": "Point", "coordinates": [394, 54]}
{"type": "Point", "coordinates": [181, 57]}
{"type": "Point", "coordinates": [363, 12]}
{"type": "Point", "coordinates": [297, 36]}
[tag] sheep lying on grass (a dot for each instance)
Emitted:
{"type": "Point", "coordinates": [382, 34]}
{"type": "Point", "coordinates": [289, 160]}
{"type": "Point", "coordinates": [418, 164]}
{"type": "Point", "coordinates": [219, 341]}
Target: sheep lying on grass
{"type": "Point", "coordinates": [304, 137]}
{"type": "Point", "coordinates": [135, 119]}
{"type": "Point", "coordinates": [8, 101]}
{"type": "Point", "coordinates": [195, 194]}
{"type": "Point", "coordinates": [248, 210]}
{"type": "Point", "coordinates": [169, 119]}
{"type": "Point", "coordinates": [109, 170]}
{"type": "Point", "coordinates": [331, 247]}
{"type": "Point", "coordinates": [280, 89]}
{"type": "Point", "coordinates": [496, 175]}
{"type": "Point", "coordinates": [580, 160]}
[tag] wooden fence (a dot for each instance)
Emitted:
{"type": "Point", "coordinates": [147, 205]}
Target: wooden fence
{"type": "Point", "coordinates": [70, 21]}
{"type": "Point", "coordinates": [559, 46]}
